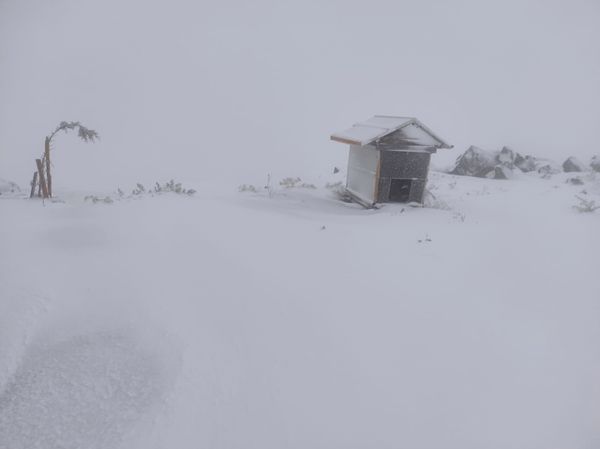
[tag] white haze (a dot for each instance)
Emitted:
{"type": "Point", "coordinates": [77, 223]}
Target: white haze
{"type": "Point", "coordinates": [209, 91]}
{"type": "Point", "coordinates": [289, 319]}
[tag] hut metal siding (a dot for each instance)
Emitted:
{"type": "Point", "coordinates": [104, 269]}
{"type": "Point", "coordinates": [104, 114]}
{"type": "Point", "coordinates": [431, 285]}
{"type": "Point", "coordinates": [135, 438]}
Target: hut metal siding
{"type": "Point", "coordinates": [417, 190]}
{"type": "Point", "coordinates": [413, 165]}
{"type": "Point", "coordinates": [404, 164]}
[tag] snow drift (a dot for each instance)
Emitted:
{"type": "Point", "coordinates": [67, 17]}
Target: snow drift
{"type": "Point", "coordinates": [290, 319]}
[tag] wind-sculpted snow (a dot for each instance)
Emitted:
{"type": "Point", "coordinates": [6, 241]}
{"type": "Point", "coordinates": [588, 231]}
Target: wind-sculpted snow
{"type": "Point", "coordinates": [304, 322]}
{"type": "Point", "coordinates": [82, 391]}
{"type": "Point", "coordinates": [19, 318]}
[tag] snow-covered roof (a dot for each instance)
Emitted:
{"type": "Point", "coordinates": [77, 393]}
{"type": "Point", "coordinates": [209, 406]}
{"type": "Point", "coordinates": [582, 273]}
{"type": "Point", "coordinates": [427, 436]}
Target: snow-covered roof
{"type": "Point", "coordinates": [378, 126]}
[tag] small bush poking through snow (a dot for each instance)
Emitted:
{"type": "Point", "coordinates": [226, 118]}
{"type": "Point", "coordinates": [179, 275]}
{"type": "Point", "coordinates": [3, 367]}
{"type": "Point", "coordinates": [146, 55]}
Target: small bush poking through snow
{"type": "Point", "coordinates": [172, 187]}
{"type": "Point", "coordinates": [576, 181]}
{"type": "Point", "coordinates": [247, 188]}
{"type": "Point", "coordinates": [585, 205]}
{"type": "Point", "coordinates": [290, 183]}
{"type": "Point", "coordinates": [96, 199]}
{"type": "Point", "coordinates": [459, 216]}
{"type": "Point", "coordinates": [8, 187]}
{"type": "Point", "coordinates": [141, 191]}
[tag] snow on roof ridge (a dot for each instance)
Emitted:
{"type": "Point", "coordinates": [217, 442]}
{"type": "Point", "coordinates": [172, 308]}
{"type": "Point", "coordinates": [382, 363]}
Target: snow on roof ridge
{"type": "Point", "coordinates": [358, 134]}
{"type": "Point", "coordinates": [394, 116]}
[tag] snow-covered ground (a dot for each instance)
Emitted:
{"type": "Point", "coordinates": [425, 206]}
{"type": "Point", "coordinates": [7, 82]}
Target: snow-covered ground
{"type": "Point", "coordinates": [294, 320]}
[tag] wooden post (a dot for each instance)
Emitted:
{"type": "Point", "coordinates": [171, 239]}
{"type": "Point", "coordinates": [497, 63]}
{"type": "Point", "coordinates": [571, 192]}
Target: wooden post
{"type": "Point", "coordinates": [47, 160]}
{"type": "Point", "coordinates": [33, 184]}
{"type": "Point", "coordinates": [43, 185]}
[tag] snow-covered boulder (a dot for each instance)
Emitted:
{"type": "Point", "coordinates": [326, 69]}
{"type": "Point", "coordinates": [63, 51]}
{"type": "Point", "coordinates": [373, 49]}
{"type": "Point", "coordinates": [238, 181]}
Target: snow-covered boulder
{"type": "Point", "coordinates": [506, 157]}
{"type": "Point", "coordinates": [502, 172]}
{"type": "Point", "coordinates": [475, 162]}
{"type": "Point", "coordinates": [572, 164]}
{"type": "Point", "coordinates": [576, 181]}
{"type": "Point", "coordinates": [548, 170]}
{"type": "Point", "coordinates": [487, 164]}
{"type": "Point", "coordinates": [510, 158]}
{"type": "Point", "coordinates": [525, 164]}
{"type": "Point", "coordinates": [8, 187]}
{"type": "Point", "coordinates": [503, 164]}
{"type": "Point", "coordinates": [595, 163]}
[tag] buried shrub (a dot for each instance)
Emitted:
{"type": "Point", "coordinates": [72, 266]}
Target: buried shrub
{"type": "Point", "coordinates": [585, 205]}
{"type": "Point", "coordinates": [96, 199]}
{"type": "Point", "coordinates": [290, 183]}
{"type": "Point", "coordinates": [247, 188]}
{"type": "Point", "coordinates": [141, 191]}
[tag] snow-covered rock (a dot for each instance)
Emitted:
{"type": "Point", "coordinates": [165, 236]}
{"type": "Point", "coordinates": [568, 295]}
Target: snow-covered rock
{"type": "Point", "coordinates": [548, 170]}
{"type": "Point", "coordinates": [475, 162]}
{"type": "Point", "coordinates": [525, 164]}
{"type": "Point", "coordinates": [506, 157]}
{"type": "Point", "coordinates": [572, 164]}
{"type": "Point", "coordinates": [576, 181]}
{"type": "Point", "coordinates": [502, 172]}
{"type": "Point", "coordinates": [492, 164]}
{"type": "Point", "coordinates": [595, 163]}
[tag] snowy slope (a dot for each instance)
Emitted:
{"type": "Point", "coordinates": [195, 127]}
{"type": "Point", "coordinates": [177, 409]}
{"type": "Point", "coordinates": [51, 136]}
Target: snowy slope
{"type": "Point", "coordinates": [294, 320]}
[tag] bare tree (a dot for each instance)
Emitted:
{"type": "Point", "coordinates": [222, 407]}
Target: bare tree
{"type": "Point", "coordinates": [45, 179]}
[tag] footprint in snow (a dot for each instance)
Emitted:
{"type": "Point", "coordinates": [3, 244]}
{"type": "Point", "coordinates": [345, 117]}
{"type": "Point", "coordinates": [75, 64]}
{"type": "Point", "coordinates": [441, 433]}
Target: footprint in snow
{"type": "Point", "coordinates": [86, 391]}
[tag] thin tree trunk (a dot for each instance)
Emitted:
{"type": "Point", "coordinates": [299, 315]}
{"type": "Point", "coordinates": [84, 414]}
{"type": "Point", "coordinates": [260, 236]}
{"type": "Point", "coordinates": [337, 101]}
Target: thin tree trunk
{"type": "Point", "coordinates": [43, 185]}
{"type": "Point", "coordinates": [33, 184]}
{"type": "Point", "coordinates": [47, 159]}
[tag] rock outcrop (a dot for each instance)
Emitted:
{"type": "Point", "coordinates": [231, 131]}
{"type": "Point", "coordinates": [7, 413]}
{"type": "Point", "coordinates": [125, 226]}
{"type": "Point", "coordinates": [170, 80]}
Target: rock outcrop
{"type": "Point", "coordinates": [506, 157]}
{"type": "Point", "coordinates": [526, 164]}
{"type": "Point", "coordinates": [475, 162]}
{"type": "Point", "coordinates": [502, 172]}
{"type": "Point", "coordinates": [492, 164]}
{"type": "Point", "coordinates": [504, 164]}
{"type": "Point", "coordinates": [572, 165]}
{"type": "Point", "coordinates": [576, 181]}
{"type": "Point", "coordinates": [548, 170]}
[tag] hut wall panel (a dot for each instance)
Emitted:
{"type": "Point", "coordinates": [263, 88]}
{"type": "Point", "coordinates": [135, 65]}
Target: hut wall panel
{"type": "Point", "coordinates": [363, 162]}
{"type": "Point", "coordinates": [384, 189]}
{"type": "Point", "coordinates": [417, 189]}
{"type": "Point", "coordinates": [405, 164]}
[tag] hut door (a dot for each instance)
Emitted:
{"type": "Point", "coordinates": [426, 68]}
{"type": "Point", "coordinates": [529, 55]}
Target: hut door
{"type": "Point", "coordinates": [400, 190]}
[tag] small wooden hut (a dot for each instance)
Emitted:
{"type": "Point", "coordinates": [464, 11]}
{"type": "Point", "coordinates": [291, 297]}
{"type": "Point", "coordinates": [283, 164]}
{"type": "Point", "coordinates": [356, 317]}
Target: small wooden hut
{"type": "Point", "coordinates": [389, 159]}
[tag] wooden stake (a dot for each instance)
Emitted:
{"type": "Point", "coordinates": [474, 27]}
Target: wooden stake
{"type": "Point", "coordinates": [43, 185]}
{"type": "Point", "coordinates": [47, 160]}
{"type": "Point", "coordinates": [33, 184]}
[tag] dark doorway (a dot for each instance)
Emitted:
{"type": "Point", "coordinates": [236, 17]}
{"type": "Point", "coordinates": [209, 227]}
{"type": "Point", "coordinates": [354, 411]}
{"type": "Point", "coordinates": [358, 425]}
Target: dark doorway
{"type": "Point", "coordinates": [400, 190]}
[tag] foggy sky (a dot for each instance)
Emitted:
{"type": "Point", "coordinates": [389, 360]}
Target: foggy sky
{"type": "Point", "coordinates": [230, 91]}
